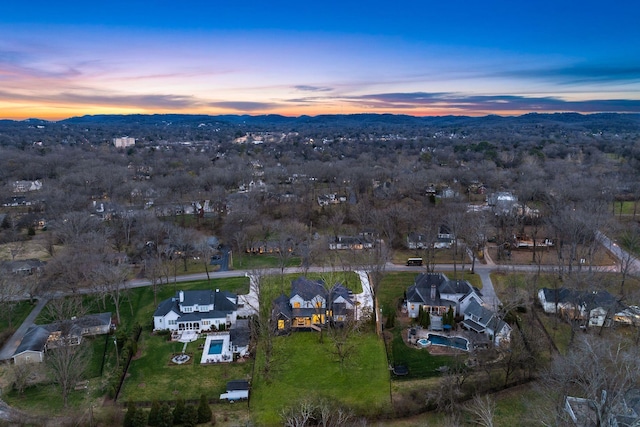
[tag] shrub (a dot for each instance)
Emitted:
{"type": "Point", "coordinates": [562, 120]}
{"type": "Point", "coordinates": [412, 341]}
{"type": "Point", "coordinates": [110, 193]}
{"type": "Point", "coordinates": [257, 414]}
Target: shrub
{"type": "Point", "coordinates": [165, 417]}
{"type": "Point", "coordinates": [204, 410]}
{"type": "Point", "coordinates": [154, 413]}
{"type": "Point", "coordinates": [190, 416]}
{"type": "Point", "coordinates": [130, 414]}
{"type": "Point", "coordinates": [178, 411]}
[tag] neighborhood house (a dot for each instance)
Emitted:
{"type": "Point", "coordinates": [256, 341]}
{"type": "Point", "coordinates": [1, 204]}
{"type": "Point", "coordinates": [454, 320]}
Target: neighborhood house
{"type": "Point", "coordinates": [436, 294]}
{"type": "Point", "coordinates": [40, 338]}
{"type": "Point", "coordinates": [197, 311]}
{"type": "Point", "coordinates": [311, 305]}
{"type": "Point", "coordinates": [596, 308]}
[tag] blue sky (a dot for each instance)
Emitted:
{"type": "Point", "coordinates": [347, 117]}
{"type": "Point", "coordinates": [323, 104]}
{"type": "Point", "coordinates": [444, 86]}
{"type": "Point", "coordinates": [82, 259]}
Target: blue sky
{"type": "Point", "coordinates": [68, 58]}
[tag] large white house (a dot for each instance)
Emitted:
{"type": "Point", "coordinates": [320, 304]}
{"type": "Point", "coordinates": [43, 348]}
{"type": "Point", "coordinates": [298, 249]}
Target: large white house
{"type": "Point", "coordinates": [435, 293]}
{"type": "Point", "coordinates": [198, 311]}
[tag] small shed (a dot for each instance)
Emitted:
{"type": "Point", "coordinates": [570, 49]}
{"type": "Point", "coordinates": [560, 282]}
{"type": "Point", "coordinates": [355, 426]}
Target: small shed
{"type": "Point", "coordinates": [236, 390]}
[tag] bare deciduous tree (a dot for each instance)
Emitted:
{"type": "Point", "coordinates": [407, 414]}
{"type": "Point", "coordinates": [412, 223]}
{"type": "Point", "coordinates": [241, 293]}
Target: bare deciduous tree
{"type": "Point", "coordinates": [67, 363]}
{"type": "Point", "coordinates": [483, 409]}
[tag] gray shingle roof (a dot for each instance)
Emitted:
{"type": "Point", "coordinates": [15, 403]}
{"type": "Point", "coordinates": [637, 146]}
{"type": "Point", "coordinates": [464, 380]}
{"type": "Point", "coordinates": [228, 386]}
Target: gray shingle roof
{"type": "Point", "coordinates": [222, 305]}
{"type": "Point", "coordinates": [308, 289]}
{"type": "Point", "coordinates": [34, 340]}
{"type": "Point", "coordinates": [240, 334]}
{"type": "Point", "coordinates": [590, 299]}
{"type": "Point", "coordinates": [282, 307]}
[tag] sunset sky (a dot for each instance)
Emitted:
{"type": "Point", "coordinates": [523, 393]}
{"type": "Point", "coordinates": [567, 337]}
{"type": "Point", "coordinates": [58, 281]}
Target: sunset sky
{"type": "Point", "coordinates": [70, 58]}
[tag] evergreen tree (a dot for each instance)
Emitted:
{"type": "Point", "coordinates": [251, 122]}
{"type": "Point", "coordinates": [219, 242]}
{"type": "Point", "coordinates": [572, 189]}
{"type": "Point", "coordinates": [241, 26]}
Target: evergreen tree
{"type": "Point", "coordinates": [140, 418]}
{"type": "Point", "coordinates": [178, 411]}
{"type": "Point", "coordinates": [165, 417]}
{"type": "Point", "coordinates": [130, 414]}
{"type": "Point", "coordinates": [391, 319]}
{"type": "Point", "coordinates": [154, 413]}
{"type": "Point", "coordinates": [190, 416]}
{"type": "Point", "coordinates": [204, 410]}
{"type": "Point", "coordinates": [449, 318]}
{"type": "Point", "coordinates": [424, 319]}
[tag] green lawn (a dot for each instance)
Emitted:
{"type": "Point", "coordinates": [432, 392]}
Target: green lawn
{"type": "Point", "coordinates": [626, 208]}
{"type": "Point", "coordinates": [13, 314]}
{"type": "Point", "coordinates": [152, 367]}
{"type": "Point", "coordinates": [558, 330]}
{"type": "Point", "coordinates": [304, 368]}
{"type": "Point", "coordinates": [153, 376]}
{"type": "Point", "coordinates": [420, 362]}
{"type": "Point", "coordinates": [45, 398]}
{"type": "Point", "coordinates": [138, 304]}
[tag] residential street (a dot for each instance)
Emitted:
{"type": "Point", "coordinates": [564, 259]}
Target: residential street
{"type": "Point", "coordinates": [250, 301]}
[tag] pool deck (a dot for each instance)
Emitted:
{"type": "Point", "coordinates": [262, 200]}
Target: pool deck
{"type": "Point", "coordinates": [225, 357]}
{"type": "Point", "coordinates": [436, 348]}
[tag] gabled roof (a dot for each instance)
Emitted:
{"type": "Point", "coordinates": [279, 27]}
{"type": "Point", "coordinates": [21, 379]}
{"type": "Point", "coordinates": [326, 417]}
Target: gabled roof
{"type": "Point", "coordinates": [205, 297]}
{"type": "Point", "coordinates": [339, 290]}
{"type": "Point", "coordinates": [456, 287]}
{"type": "Point", "coordinates": [282, 307]}
{"type": "Point", "coordinates": [166, 306]}
{"type": "Point", "coordinates": [34, 340]}
{"type": "Point", "coordinates": [37, 335]}
{"type": "Point", "coordinates": [483, 318]}
{"type": "Point", "coordinates": [589, 300]}
{"type": "Point", "coordinates": [22, 265]}
{"type": "Point", "coordinates": [420, 291]}
{"type": "Point", "coordinates": [222, 302]}
{"type": "Point", "coordinates": [93, 320]}
{"type": "Point", "coordinates": [308, 289]}
{"type": "Point", "coordinates": [240, 334]}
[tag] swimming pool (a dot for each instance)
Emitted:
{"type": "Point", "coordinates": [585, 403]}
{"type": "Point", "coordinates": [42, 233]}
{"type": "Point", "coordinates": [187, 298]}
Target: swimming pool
{"type": "Point", "coordinates": [215, 346]}
{"type": "Point", "coordinates": [455, 342]}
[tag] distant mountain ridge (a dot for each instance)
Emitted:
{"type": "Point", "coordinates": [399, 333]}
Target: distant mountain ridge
{"type": "Point", "coordinates": [612, 122]}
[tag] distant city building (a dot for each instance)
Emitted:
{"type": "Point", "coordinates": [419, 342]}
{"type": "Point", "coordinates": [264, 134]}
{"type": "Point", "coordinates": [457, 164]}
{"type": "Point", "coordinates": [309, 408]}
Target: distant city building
{"type": "Point", "coordinates": [125, 141]}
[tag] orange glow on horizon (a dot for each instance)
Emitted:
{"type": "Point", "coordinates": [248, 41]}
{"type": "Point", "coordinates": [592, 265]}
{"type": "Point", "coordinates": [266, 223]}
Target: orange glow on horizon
{"type": "Point", "coordinates": [56, 113]}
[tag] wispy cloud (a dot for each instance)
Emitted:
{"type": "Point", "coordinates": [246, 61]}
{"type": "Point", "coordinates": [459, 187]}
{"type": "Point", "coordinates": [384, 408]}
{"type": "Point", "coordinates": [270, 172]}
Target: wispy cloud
{"type": "Point", "coordinates": [245, 106]}
{"type": "Point", "coordinates": [581, 73]}
{"type": "Point", "coordinates": [307, 88]}
{"type": "Point", "coordinates": [481, 103]}
{"type": "Point", "coordinates": [148, 101]}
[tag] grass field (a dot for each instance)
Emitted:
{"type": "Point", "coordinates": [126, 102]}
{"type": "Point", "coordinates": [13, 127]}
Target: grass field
{"type": "Point", "coordinates": [304, 368]}
{"type": "Point", "coordinates": [45, 398]}
{"type": "Point", "coordinates": [14, 313]}
{"type": "Point", "coordinates": [150, 367]}
{"type": "Point", "coordinates": [153, 376]}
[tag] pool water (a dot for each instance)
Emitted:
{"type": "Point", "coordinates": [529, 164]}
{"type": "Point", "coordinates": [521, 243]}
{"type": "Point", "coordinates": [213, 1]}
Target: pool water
{"type": "Point", "coordinates": [455, 342]}
{"type": "Point", "coordinates": [215, 346]}
{"type": "Point", "coordinates": [423, 342]}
